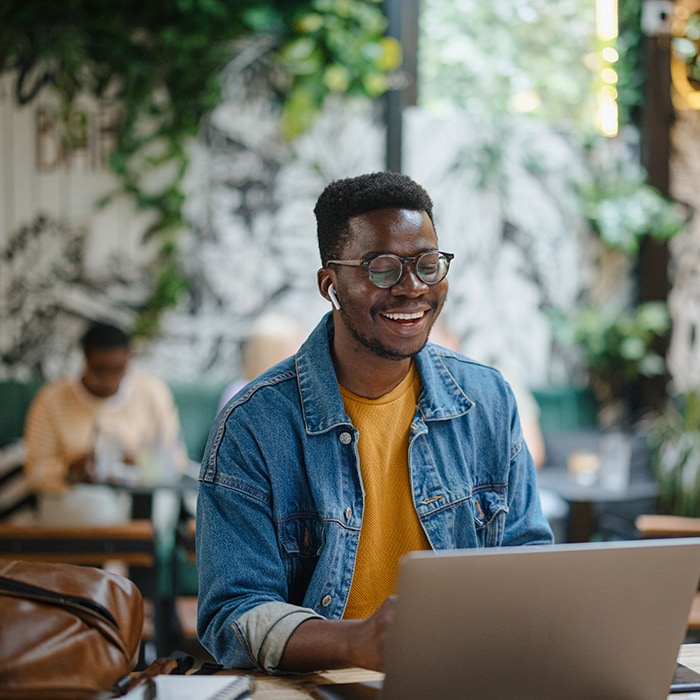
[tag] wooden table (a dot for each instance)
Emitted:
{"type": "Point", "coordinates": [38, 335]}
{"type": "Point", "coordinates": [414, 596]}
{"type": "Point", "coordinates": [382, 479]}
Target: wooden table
{"type": "Point", "coordinates": [301, 687]}
{"type": "Point", "coordinates": [690, 656]}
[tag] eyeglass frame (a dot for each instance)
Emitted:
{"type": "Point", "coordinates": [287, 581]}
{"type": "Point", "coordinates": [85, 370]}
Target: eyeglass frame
{"type": "Point", "coordinates": [366, 262]}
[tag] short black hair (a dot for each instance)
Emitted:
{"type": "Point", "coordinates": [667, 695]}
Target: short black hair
{"type": "Point", "coordinates": [353, 196]}
{"type": "Point", "coordinates": [103, 336]}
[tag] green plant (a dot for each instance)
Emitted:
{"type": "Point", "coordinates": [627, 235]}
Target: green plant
{"type": "Point", "coordinates": [620, 342]}
{"type": "Point", "coordinates": [625, 209]}
{"type": "Point", "coordinates": [674, 445]}
{"type": "Point", "coordinates": [336, 46]}
{"type": "Point", "coordinates": [160, 61]}
{"type": "Point", "coordinates": [621, 207]}
{"type": "Point", "coordinates": [617, 346]}
{"type": "Point", "coordinates": [687, 47]}
{"type": "Point", "coordinates": [630, 65]}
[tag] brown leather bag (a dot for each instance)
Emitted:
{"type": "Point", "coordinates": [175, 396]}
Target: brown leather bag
{"type": "Point", "coordinates": [66, 631]}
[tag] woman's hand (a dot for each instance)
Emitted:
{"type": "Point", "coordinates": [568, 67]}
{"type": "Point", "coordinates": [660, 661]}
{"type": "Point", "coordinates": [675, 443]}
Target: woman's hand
{"type": "Point", "coordinates": [82, 469]}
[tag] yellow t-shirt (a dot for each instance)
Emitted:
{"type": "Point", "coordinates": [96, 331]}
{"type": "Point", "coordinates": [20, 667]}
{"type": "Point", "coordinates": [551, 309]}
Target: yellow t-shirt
{"type": "Point", "coordinates": [390, 526]}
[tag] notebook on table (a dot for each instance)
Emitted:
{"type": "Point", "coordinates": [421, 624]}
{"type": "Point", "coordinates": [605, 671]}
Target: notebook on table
{"type": "Point", "coordinates": [576, 621]}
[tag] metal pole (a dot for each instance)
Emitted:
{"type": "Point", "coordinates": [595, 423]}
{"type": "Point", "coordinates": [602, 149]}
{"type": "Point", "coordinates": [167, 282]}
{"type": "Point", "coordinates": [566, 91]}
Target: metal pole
{"type": "Point", "coordinates": [402, 17]}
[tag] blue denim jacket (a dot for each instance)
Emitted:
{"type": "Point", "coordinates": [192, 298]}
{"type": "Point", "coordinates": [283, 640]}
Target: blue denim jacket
{"type": "Point", "coordinates": [280, 499]}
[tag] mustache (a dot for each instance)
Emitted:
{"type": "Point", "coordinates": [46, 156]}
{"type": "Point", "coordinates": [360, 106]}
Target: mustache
{"type": "Point", "coordinates": [408, 308]}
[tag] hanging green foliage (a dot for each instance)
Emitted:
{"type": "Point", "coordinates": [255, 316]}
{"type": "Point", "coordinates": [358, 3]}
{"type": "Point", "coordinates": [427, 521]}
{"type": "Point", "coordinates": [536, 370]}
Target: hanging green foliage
{"type": "Point", "coordinates": [630, 66]}
{"type": "Point", "coordinates": [160, 63]}
{"type": "Point", "coordinates": [624, 211]}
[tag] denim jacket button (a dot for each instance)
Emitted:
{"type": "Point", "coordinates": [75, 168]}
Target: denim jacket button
{"type": "Point", "coordinates": [348, 513]}
{"type": "Point", "coordinates": [345, 438]}
{"type": "Point", "coordinates": [326, 600]}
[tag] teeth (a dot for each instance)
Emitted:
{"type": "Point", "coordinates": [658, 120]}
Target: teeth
{"type": "Point", "coordinates": [405, 317]}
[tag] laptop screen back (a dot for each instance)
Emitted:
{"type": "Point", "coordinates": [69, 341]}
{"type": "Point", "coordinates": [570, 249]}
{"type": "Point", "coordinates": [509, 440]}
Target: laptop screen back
{"type": "Point", "coordinates": [601, 620]}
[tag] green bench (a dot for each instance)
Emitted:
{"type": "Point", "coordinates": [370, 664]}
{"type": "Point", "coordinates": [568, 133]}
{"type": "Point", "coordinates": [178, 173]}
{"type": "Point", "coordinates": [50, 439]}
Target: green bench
{"type": "Point", "coordinates": [197, 404]}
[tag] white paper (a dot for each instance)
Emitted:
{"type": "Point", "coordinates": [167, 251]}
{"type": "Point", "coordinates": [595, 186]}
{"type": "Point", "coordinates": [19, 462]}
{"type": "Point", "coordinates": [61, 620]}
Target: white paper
{"type": "Point", "coordinates": [195, 687]}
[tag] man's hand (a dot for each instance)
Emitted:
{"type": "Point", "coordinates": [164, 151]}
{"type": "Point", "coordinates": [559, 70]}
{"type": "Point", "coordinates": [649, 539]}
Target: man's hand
{"type": "Point", "coordinates": [325, 644]}
{"type": "Point", "coordinates": [369, 638]}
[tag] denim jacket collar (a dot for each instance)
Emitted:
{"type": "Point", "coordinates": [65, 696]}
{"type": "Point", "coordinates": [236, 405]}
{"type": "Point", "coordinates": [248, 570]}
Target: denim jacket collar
{"type": "Point", "coordinates": [322, 405]}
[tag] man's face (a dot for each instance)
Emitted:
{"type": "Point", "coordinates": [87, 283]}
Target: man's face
{"type": "Point", "coordinates": [391, 323]}
{"type": "Point", "coordinates": [104, 370]}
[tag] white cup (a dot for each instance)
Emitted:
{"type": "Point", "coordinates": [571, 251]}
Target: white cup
{"type": "Point", "coordinates": [583, 466]}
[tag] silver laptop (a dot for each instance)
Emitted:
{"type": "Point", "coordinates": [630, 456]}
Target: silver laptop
{"type": "Point", "coordinates": [577, 621]}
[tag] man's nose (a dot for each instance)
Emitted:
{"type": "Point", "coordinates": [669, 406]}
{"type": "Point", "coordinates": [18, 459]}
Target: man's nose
{"type": "Point", "coordinates": [410, 284]}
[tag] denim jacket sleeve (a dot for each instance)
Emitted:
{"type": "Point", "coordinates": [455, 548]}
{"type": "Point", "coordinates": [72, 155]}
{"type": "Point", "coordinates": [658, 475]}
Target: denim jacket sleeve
{"type": "Point", "coordinates": [257, 636]}
{"type": "Point", "coordinates": [244, 618]}
{"type": "Point", "coordinates": [527, 524]}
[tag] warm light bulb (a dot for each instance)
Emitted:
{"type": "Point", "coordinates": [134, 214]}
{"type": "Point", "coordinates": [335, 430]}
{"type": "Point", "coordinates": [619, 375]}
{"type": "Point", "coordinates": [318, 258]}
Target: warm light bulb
{"type": "Point", "coordinates": [610, 54]}
{"type": "Point", "coordinates": [609, 76]}
{"type": "Point", "coordinates": [606, 19]}
{"type": "Point", "coordinates": [607, 30]}
{"type": "Point", "coordinates": [607, 117]}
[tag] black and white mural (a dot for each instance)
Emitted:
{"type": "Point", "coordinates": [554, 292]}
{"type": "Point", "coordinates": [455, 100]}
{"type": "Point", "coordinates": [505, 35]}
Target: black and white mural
{"type": "Point", "coordinates": [504, 204]}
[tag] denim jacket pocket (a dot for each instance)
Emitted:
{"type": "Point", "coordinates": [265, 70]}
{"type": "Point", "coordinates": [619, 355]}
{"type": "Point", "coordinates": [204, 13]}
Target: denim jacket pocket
{"type": "Point", "coordinates": [301, 540]}
{"type": "Point", "coordinates": [490, 512]}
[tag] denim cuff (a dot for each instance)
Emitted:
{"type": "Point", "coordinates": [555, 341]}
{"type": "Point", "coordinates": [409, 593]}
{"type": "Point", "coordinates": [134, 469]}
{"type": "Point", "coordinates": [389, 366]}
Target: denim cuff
{"type": "Point", "coordinates": [267, 628]}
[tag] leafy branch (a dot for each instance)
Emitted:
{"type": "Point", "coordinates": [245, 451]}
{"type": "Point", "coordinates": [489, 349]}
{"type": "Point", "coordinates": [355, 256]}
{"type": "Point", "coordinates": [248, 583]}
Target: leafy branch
{"type": "Point", "coordinates": [623, 211]}
{"type": "Point", "coordinates": [158, 63]}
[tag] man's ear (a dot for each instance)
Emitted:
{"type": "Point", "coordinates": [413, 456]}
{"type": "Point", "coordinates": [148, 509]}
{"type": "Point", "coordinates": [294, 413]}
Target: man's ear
{"type": "Point", "coordinates": [325, 285]}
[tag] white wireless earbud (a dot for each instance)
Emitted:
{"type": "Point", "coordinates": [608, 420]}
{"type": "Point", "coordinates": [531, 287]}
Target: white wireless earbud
{"type": "Point", "coordinates": [334, 297]}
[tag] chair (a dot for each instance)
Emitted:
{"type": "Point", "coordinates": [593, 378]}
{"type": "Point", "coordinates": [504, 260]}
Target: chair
{"type": "Point", "coordinates": [132, 543]}
{"type": "Point", "coordinates": [656, 526]}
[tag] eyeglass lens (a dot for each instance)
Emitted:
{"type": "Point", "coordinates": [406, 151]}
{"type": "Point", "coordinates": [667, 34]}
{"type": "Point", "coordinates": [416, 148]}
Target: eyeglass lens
{"type": "Point", "coordinates": [386, 270]}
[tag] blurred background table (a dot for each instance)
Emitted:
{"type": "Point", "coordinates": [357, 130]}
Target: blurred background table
{"type": "Point", "coordinates": [586, 500]}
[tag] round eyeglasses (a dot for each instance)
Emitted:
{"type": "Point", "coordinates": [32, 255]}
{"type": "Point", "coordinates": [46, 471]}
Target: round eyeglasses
{"type": "Point", "coordinates": [386, 270]}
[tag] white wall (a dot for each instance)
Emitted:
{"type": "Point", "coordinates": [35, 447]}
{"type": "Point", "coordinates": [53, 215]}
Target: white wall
{"type": "Point", "coordinates": [62, 258]}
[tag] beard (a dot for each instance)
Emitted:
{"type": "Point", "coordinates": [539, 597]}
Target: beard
{"type": "Point", "coordinates": [378, 348]}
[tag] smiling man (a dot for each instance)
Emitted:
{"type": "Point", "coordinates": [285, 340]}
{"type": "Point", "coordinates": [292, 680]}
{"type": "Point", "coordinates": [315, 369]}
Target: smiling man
{"type": "Point", "coordinates": [369, 443]}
